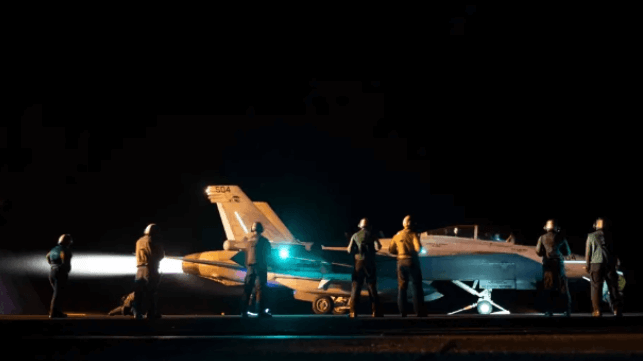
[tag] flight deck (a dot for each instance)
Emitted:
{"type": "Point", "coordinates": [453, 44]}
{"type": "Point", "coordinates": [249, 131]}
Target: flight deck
{"type": "Point", "coordinates": [530, 336]}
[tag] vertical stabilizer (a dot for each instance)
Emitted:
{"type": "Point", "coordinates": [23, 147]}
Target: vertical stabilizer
{"type": "Point", "coordinates": [275, 220]}
{"type": "Point", "coordinates": [238, 213]}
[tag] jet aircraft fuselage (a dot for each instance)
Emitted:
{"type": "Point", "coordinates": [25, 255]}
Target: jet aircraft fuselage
{"type": "Point", "coordinates": [326, 284]}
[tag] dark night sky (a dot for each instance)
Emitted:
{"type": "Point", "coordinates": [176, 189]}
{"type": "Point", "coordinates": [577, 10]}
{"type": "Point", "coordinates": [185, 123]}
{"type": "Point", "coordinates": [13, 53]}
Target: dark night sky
{"type": "Point", "coordinates": [323, 154]}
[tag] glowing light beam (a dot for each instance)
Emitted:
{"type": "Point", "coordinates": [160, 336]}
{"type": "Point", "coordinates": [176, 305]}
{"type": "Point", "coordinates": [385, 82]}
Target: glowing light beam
{"type": "Point", "coordinates": [91, 265]}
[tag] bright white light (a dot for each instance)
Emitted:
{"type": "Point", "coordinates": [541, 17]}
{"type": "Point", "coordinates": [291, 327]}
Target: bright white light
{"type": "Point", "coordinates": [423, 250]}
{"type": "Point", "coordinates": [91, 265]}
{"type": "Point", "coordinates": [485, 308]}
{"type": "Point", "coordinates": [103, 265]}
{"type": "Point", "coordinates": [171, 266]}
{"type": "Point", "coordinates": [283, 253]}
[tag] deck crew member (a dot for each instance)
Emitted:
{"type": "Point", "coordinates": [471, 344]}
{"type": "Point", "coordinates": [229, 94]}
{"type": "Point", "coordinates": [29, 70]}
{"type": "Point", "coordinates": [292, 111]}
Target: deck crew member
{"type": "Point", "coordinates": [125, 307]}
{"type": "Point", "coordinates": [364, 245]}
{"type": "Point", "coordinates": [257, 253]}
{"type": "Point", "coordinates": [406, 245]}
{"type": "Point", "coordinates": [553, 248]}
{"type": "Point", "coordinates": [149, 253]}
{"type": "Point", "coordinates": [601, 260]}
{"type": "Point", "coordinates": [60, 260]}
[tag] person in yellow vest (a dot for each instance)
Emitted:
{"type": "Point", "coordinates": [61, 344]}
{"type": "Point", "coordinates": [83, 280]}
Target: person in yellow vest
{"type": "Point", "coordinates": [125, 307]}
{"type": "Point", "coordinates": [149, 253]}
{"type": "Point", "coordinates": [406, 246]}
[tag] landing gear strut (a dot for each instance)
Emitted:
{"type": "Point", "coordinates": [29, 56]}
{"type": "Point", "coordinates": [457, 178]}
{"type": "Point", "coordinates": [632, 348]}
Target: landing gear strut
{"type": "Point", "coordinates": [341, 305]}
{"type": "Point", "coordinates": [484, 304]}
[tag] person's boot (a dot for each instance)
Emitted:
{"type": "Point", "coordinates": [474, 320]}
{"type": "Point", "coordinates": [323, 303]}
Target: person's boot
{"type": "Point", "coordinates": [618, 312]}
{"type": "Point", "coordinates": [352, 315]}
{"type": "Point", "coordinates": [548, 314]}
{"type": "Point", "coordinates": [596, 313]}
{"type": "Point", "coordinates": [137, 315]}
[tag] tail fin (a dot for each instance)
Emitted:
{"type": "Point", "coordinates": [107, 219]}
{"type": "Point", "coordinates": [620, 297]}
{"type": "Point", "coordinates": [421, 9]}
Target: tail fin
{"type": "Point", "coordinates": [267, 211]}
{"type": "Point", "coordinates": [238, 213]}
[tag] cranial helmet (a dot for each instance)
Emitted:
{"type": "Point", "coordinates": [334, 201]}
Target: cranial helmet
{"type": "Point", "coordinates": [151, 229]}
{"type": "Point", "coordinates": [363, 223]}
{"type": "Point", "coordinates": [599, 224]}
{"type": "Point", "coordinates": [551, 225]}
{"type": "Point", "coordinates": [257, 227]}
{"type": "Point", "coordinates": [65, 240]}
{"type": "Point", "coordinates": [407, 222]}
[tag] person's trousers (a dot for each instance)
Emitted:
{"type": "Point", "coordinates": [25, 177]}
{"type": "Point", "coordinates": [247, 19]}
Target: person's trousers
{"type": "Point", "coordinates": [599, 273]}
{"type": "Point", "coordinates": [554, 279]}
{"type": "Point", "coordinates": [255, 279]}
{"type": "Point", "coordinates": [58, 280]}
{"type": "Point", "coordinates": [364, 271]}
{"type": "Point", "coordinates": [409, 270]}
{"type": "Point", "coordinates": [145, 292]}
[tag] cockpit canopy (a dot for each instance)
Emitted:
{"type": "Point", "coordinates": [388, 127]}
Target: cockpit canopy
{"type": "Point", "coordinates": [483, 233]}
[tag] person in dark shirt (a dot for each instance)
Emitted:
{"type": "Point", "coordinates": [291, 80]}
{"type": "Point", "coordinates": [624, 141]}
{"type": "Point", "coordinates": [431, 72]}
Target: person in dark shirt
{"type": "Point", "coordinates": [553, 248]}
{"type": "Point", "coordinates": [601, 260]}
{"type": "Point", "coordinates": [363, 245]}
{"type": "Point", "coordinates": [59, 258]}
{"type": "Point", "coordinates": [258, 251]}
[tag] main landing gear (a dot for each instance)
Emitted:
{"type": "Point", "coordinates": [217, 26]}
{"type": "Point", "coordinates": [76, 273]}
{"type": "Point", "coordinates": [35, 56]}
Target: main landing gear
{"type": "Point", "coordinates": [330, 304]}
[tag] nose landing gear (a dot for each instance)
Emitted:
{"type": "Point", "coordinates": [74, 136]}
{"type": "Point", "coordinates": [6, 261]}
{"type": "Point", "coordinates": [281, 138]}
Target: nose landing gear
{"type": "Point", "coordinates": [484, 304]}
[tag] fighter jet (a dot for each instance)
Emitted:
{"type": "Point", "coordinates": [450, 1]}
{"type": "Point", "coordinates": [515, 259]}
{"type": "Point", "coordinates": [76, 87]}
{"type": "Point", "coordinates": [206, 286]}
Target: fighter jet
{"type": "Point", "coordinates": [477, 266]}
{"type": "Point", "coordinates": [312, 277]}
